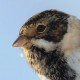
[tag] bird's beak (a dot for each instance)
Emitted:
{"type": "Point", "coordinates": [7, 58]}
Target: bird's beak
{"type": "Point", "coordinates": [20, 41]}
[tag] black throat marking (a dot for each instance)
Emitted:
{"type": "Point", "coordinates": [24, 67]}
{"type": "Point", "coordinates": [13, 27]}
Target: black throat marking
{"type": "Point", "coordinates": [54, 64]}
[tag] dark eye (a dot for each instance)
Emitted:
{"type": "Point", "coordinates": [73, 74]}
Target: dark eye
{"type": "Point", "coordinates": [41, 28]}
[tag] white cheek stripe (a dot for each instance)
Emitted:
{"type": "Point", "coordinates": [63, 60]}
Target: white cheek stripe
{"type": "Point", "coordinates": [41, 43]}
{"type": "Point", "coordinates": [42, 77]}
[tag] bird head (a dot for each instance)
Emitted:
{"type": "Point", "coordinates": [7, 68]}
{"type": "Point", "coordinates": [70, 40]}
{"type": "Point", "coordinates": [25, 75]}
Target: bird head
{"type": "Point", "coordinates": [49, 37]}
{"type": "Point", "coordinates": [44, 29]}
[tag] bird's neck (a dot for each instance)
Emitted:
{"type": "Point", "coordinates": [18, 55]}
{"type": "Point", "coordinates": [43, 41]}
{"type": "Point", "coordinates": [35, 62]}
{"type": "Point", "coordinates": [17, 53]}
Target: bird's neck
{"type": "Point", "coordinates": [50, 64]}
{"type": "Point", "coordinates": [71, 45]}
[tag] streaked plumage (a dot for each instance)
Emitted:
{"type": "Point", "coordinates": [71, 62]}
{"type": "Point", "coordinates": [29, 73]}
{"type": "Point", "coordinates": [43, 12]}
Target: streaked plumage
{"type": "Point", "coordinates": [51, 44]}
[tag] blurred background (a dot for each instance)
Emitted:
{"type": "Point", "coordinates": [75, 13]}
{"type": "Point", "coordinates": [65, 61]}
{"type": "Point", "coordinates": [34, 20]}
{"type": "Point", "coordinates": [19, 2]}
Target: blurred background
{"type": "Point", "coordinates": [13, 14]}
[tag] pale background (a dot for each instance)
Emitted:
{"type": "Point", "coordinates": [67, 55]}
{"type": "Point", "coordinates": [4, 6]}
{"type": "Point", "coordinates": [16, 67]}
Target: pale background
{"type": "Point", "coordinates": [13, 13]}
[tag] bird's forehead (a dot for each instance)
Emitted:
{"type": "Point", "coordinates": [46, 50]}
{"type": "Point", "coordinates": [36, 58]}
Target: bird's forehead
{"type": "Point", "coordinates": [23, 28]}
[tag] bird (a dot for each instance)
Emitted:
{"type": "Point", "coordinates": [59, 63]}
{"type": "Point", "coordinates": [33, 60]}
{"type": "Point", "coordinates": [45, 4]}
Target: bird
{"type": "Point", "coordinates": [50, 41]}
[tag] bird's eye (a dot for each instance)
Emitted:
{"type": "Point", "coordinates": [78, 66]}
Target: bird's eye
{"type": "Point", "coordinates": [41, 28]}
